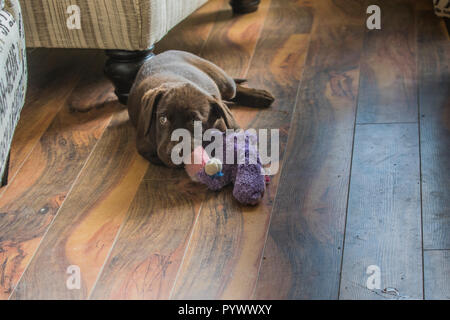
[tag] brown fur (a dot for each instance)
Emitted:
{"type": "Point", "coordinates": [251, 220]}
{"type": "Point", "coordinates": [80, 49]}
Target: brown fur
{"type": "Point", "coordinates": [182, 88]}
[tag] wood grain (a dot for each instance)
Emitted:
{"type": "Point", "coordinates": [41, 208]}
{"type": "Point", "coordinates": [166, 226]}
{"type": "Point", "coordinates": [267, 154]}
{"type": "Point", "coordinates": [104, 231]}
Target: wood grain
{"type": "Point", "coordinates": [232, 41]}
{"type": "Point", "coordinates": [191, 34]}
{"type": "Point", "coordinates": [33, 198]}
{"type": "Point", "coordinates": [51, 81]}
{"type": "Point", "coordinates": [434, 99]}
{"type": "Point", "coordinates": [225, 250]}
{"type": "Point", "coordinates": [388, 87]}
{"type": "Point", "coordinates": [145, 259]}
{"type": "Point", "coordinates": [384, 218]}
{"type": "Point", "coordinates": [87, 223]}
{"type": "Point", "coordinates": [437, 271]}
{"type": "Point", "coordinates": [161, 216]}
{"type": "Point", "coordinates": [303, 250]}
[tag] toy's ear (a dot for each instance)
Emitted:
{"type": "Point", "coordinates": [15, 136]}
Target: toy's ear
{"type": "Point", "coordinates": [220, 111]}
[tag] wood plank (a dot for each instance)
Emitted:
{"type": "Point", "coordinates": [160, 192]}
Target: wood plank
{"type": "Point", "coordinates": [232, 41]}
{"type": "Point", "coordinates": [303, 249]}
{"type": "Point", "coordinates": [223, 257]}
{"type": "Point", "coordinates": [388, 87]}
{"type": "Point", "coordinates": [437, 271]}
{"type": "Point", "coordinates": [33, 198]}
{"type": "Point", "coordinates": [87, 223]}
{"type": "Point", "coordinates": [45, 97]}
{"type": "Point", "coordinates": [144, 261]}
{"type": "Point", "coordinates": [162, 213]}
{"type": "Point", "coordinates": [384, 218]}
{"type": "Point", "coordinates": [434, 98]}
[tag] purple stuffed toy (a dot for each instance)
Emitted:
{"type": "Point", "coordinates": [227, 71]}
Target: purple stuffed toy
{"type": "Point", "coordinates": [242, 167]}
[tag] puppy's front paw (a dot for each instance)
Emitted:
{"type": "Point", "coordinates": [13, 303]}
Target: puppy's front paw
{"type": "Point", "coordinates": [263, 98]}
{"type": "Point", "coordinates": [257, 98]}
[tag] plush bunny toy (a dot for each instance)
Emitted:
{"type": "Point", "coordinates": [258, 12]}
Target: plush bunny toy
{"type": "Point", "coordinates": [244, 169]}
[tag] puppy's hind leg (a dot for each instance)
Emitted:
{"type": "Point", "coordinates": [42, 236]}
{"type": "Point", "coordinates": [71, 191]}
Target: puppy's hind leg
{"type": "Point", "coordinates": [250, 97]}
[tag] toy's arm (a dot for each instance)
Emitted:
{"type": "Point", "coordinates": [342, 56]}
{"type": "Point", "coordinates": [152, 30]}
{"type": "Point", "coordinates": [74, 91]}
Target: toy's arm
{"type": "Point", "coordinates": [250, 184]}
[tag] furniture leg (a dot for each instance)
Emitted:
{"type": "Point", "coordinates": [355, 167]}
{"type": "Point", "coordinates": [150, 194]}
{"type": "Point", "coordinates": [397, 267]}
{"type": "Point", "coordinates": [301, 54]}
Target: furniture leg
{"type": "Point", "coordinates": [244, 6]}
{"type": "Point", "coordinates": [122, 67]}
{"type": "Point", "coordinates": [4, 181]}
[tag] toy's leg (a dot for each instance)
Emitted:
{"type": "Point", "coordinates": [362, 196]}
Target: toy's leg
{"type": "Point", "coordinates": [249, 185]}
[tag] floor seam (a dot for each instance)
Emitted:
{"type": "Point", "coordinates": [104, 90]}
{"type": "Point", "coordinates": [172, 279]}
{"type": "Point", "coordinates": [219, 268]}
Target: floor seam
{"type": "Point", "coordinates": [297, 98]}
{"type": "Point", "coordinates": [361, 58]}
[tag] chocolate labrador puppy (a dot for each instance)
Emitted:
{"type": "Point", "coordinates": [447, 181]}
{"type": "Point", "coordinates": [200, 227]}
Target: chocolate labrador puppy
{"type": "Point", "coordinates": [176, 88]}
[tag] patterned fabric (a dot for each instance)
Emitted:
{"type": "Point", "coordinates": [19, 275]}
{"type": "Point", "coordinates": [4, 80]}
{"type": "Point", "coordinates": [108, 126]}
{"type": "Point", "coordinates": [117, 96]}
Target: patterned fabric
{"type": "Point", "coordinates": [105, 24]}
{"type": "Point", "coordinates": [13, 78]}
{"type": "Point", "coordinates": [442, 8]}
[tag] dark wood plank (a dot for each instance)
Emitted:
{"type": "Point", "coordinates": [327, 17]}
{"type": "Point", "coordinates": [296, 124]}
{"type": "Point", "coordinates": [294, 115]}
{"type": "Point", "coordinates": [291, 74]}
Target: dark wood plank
{"type": "Point", "coordinates": [388, 67]}
{"type": "Point", "coordinates": [232, 41]}
{"type": "Point", "coordinates": [33, 198]}
{"type": "Point", "coordinates": [384, 218]}
{"type": "Point", "coordinates": [145, 259]}
{"type": "Point", "coordinates": [303, 249]}
{"type": "Point", "coordinates": [225, 250]}
{"type": "Point", "coordinates": [434, 98]}
{"type": "Point", "coordinates": [437, 274]}
{"type": "Point", "coordinates": [86, 225]}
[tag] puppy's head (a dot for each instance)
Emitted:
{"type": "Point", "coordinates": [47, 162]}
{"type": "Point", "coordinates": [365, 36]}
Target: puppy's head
{"type": "Point", "coordinates": [170, 107]}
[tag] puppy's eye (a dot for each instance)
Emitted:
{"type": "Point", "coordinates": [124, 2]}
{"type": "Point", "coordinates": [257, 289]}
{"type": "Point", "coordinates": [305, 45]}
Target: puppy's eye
{"type": "Point", "coordinates": [162, 120]}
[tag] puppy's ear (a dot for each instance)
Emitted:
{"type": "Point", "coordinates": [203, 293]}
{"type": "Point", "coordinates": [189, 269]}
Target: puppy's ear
{"type": "Point", "coordinates": [145, 129]}
{"type": "Point", "coordinates": [148, 109]}
{"type": "Point", "coordinates": [220, 111]}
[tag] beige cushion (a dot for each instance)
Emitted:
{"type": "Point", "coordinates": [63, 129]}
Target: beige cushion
{"type": "Point", "coordinates": [106, 24]}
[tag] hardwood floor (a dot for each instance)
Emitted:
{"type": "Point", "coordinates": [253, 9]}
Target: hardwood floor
{"type": "Point", "coordinates": [364, 179]}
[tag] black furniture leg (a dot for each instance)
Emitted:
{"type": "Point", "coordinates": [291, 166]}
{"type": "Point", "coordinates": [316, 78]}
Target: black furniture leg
{"type": "Point", "coordinates": [122, 67]}
{"type": "Point", "coordinates": [244, 6]}
{"type": "Point", "coordinates": [4, 181]}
